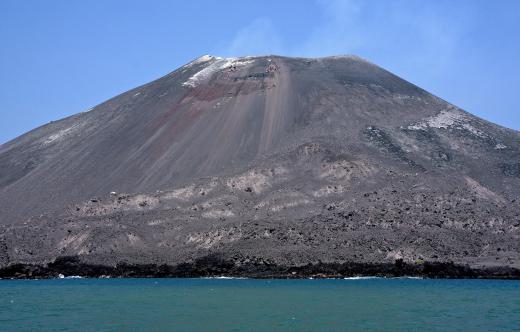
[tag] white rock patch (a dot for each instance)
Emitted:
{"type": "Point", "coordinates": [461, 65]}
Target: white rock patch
{"type": "Point", "coordinates": [204, 58]}
{"type": "Point", "coordinates": [329, 190]}
{"type": "Point", "coordinates": [215, 214]}
{"type": "Point", "coordinates": [443, 120]}
{"type": "Point", "coordinates": [217, 65]}
{"type": "Point", "coordinates": [288, 205]}
{"type": "Point", "coordinates": [188, 192]}
{"type": "Point", "coordinates": [59, 135]}
{"type": "Point", "coordinates": [256, 180]}
{"type": "Point", "coordinates": [209, 239]}
{"type": "Point", "coordinates": [73, 241]}
{"type": "Point", "coordinates": [451, 117]}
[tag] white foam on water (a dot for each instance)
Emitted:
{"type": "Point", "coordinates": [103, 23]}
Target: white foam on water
{"type": "Point", "coordinates": [62, 276]}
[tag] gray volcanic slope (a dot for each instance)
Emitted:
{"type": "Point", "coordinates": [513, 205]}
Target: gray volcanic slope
{"type": "Point", "coordinates": [268, 159]}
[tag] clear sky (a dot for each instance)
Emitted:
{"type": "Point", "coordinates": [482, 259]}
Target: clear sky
{"type": "Point", "coordinates": [62, 57]}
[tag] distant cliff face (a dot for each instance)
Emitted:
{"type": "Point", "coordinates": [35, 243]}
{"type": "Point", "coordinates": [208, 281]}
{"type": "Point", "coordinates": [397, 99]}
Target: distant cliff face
{"type": "Point", "coordinates": [266, 159]}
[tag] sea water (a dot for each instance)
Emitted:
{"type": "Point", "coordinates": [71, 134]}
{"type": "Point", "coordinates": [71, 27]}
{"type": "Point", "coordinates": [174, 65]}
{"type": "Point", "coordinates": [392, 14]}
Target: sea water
{"type": "Point", "coordinates": [259, 305]}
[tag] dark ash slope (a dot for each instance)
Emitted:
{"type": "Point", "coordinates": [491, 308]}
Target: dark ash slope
{"type": "Point", "coordinates": [265, 160]}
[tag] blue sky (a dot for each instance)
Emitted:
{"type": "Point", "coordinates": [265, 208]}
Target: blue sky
{"type": "Point", "coordinates": [62, 57]}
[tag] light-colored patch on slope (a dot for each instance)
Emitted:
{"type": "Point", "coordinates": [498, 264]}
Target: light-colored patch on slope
{"type": "Point", "coordinates": [155, 222]}
{"type": "Point", "coordinates": [210, 239]}
{"type": "Point", "coordinates": [190, 191]}
{"type": "Point", "coordinates": [220, 200]}
{"type": "Point", "coordinates": [283, 200]}
{"type": "Point", "coordinates": [401, 97]}
{"type": "Point", "coordinates": [344, 170]}
{"type": "Point", "coordinates": [256, 180]}
{"type": "Point", "coordinates": [134, 240]}
{"type": "Point", "coordinates": [405, 254]}
{"type": "Point", "coordinates": [61, 134]}
{"type": "Point", "coordinates": [73, 241]}
{"type": "Point", "coordinates": [217, 65]}
{"type": "Point", "coordinates": [481, 191]}
{"type": "Point", "coordinates": [451, 117]}
{"type": "Point", "coordinates": [95, 207]}
{"type": "Point", "coordinates": [140, 201]}
{"type": "Point", "coordinates": [204, 58]}
{"type": "Point", "coordinates": [216, 214]}
{"type": "Point", "coordinates": [181, 193]}
{"type": "Point", "coordinates": [276, 118]}
{"type": "Point", "coordinates": [443, 120]}
{"type": "Point", "coordinates": [329, 190]}
{"type": "Point", "coordinates": [290, 204]}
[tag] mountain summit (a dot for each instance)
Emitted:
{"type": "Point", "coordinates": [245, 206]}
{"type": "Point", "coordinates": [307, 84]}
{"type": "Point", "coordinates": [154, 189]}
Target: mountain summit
{"type": "Point", "coordinates": [270, 161]}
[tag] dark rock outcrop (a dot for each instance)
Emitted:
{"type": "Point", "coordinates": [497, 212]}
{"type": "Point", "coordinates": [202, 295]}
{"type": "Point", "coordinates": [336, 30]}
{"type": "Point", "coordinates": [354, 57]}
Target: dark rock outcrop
{"type": "Point", "coordinates": [215, 266]}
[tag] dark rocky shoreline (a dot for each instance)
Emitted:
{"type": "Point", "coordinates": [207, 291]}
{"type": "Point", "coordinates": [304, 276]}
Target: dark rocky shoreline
{"type": "Point", "coordinates": [214, 266]}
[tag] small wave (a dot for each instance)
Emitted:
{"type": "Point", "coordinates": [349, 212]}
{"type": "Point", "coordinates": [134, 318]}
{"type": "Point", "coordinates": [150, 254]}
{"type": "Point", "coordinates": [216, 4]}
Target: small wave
{"type": "Point", "coordinates": [362, 278]}
{"type": "Point", "coordinates": [374, 277]}
{"type": "Point", "coordinates": [61, 276]}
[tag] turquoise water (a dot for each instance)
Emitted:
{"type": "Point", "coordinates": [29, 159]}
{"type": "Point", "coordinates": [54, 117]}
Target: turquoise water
{"type": "Point", "coordinates": [259, 305]}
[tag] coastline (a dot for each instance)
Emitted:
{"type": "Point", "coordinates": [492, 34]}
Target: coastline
{"type": "Point", "coordinates": [216, 267]}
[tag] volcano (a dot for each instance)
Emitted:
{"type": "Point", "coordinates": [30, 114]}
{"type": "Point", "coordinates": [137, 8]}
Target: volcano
{"type": "Point", "coordinates": [263, 166]}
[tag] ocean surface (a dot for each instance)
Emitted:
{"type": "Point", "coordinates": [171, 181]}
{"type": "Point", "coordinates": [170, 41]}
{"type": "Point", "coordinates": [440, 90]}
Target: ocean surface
{"type": "Point", "coordinates": [259, 305]}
